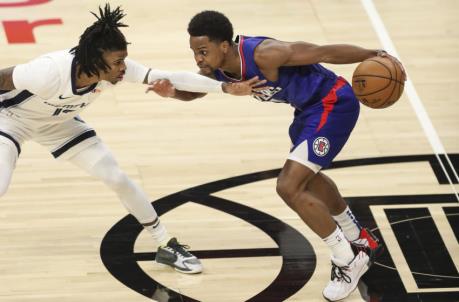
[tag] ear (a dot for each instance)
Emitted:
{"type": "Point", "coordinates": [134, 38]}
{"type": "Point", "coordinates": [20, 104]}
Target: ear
{"type": "Point", "coordinates": [225, 46]}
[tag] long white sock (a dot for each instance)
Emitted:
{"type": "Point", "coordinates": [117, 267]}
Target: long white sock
{"type": "Point", "coordinates": [158, 231]}
{"type": "Point", "coordinates": [349, 224]}
{"type": "Point", "coordinates": [340, 247]}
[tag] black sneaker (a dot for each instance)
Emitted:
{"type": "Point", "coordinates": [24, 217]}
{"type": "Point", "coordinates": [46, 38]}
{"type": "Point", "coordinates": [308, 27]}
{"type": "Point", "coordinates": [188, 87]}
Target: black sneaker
{"type": "Point", "coordinates": [176, 255]}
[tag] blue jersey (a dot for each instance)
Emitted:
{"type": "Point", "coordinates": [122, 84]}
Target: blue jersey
{"type": "Point", "coordinates": [299, 86]}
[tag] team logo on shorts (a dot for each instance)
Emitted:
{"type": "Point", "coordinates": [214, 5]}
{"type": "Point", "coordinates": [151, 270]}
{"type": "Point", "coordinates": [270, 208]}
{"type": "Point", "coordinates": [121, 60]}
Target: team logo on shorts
{"type": "Point", "coordinates": [321, 146]}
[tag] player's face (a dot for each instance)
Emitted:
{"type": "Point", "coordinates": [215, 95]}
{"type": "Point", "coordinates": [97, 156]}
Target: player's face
{"type": "Point", "coordinates": [114, 59]}
{"type": "Point", "coordinates": [209, 55]}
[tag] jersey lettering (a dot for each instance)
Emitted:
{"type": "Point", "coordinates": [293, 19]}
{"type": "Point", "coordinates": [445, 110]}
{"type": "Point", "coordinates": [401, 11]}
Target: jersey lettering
{"type": "Point", "coordinates": [267, 94]}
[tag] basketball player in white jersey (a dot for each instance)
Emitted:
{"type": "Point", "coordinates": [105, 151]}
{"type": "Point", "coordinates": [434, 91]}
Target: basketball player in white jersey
{"type": "Point", "coordinates": [41, 101]}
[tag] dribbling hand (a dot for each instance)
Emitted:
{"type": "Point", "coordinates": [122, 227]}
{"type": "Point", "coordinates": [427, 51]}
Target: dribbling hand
{"type": "Point", "coordinates": [383, 53]}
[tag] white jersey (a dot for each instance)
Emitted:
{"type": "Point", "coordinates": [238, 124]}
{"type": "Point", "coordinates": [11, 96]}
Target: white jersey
{"type": "Point", "coordinates": [46, 89]}
{"type": "Point", "coordinates": [46, 103]}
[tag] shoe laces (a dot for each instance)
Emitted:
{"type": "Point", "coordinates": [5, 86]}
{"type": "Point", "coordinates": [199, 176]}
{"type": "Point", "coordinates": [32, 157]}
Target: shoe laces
{"type": "Point", "coordinates": [180, 248]}
{"type": "Point", "coordinates": [357, 248]}
{"type": "Point", "coordinates": [339, 273]}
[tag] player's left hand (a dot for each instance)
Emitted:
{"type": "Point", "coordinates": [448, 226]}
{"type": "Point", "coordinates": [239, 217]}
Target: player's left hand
{"type": "Point", "coordinates": [162, 87]}
{"type": "Point", "coordinates": [248, 87]}
{"type": "Point", "coordinates": [383, 53]}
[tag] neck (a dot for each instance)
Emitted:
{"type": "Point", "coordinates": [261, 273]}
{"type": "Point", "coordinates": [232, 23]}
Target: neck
{"type": "Point", "coordinates": [232, 61]}
{"type": "Point", "coordinates": [83, 80]}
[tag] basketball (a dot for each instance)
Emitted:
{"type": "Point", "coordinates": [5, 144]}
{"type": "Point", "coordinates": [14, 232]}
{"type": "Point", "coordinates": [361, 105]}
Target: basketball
{"type": "Point", "coordinates": [378, 82]}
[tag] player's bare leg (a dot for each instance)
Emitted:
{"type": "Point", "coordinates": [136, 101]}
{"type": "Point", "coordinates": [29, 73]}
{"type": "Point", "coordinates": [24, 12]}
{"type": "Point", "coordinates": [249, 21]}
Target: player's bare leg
{"type": "Point", "coordinates": [348, 265]}
{"type": "Point", "coordinates": [292, 186]}
{"type": "Point", "coordinates": [325, 189]}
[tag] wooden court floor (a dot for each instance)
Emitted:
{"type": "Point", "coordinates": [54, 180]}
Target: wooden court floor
{"type": "Point", "coordinates": [210, 167]}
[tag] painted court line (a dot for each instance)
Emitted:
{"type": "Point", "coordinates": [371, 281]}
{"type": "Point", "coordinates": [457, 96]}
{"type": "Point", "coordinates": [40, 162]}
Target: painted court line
{"type": "Point", "coordinates": [410, 91]}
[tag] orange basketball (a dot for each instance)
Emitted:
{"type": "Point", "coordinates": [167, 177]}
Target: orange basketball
{"type": "Point", "coordinates": [377, 82]}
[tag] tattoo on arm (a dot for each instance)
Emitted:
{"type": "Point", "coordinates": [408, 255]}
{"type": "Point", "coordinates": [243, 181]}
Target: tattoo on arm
{"type": "Point", "coordinates": [6, 79]}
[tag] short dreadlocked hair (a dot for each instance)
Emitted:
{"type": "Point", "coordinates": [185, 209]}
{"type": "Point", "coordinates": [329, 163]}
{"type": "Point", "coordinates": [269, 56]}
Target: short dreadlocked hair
{"type": "Point", "coordinates": [101, 36]}
{"type": "Point", "coordinates": [212, 24]}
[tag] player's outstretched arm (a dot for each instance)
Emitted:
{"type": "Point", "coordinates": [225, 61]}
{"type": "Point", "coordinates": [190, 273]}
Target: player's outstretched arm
{"type": "Point", "coordinates": [166, 88]}
{"type": "Point", "coordinates": [6, 79]}
{"type": "Point", "coordinates": [185, 85]}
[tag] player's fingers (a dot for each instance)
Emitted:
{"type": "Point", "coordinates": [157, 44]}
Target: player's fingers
{"type": "Point", "coordinates": [252, 80]}
{"type": "Point", "coordinates": [258, 83]}
{"type": "Point", "coordinates": [258, 89]}
{"type": "Point", "coordinates": [256, 93]}
{"type": "Point", "coordinates": [402, 69]}
{"type": "Point", "coordinates": [155, 87]}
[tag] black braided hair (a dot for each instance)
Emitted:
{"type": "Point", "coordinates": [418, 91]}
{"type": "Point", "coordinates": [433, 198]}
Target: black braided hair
{"type": "Point", "coordinates": [212, 24]}
{"type": "Point", "coordinates": [101, 36]}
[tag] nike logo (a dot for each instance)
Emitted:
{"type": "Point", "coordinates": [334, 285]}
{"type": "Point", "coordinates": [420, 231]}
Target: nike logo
{"type": "Point", "coordinates": [62, 98]}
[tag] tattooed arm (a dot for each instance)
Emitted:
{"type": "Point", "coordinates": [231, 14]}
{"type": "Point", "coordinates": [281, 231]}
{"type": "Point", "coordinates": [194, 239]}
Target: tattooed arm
{"type": "Point", "coordinates": [6, 79]}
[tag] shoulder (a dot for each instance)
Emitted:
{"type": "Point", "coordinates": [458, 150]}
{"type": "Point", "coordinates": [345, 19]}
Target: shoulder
{"type": "Point", "coordinates": [270, 51]}
{"type": "Point", "coordinates": [44, 66]}
{"type": "Point", "coordinates": [41, 76]}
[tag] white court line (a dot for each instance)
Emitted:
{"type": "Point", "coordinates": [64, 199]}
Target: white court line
{"type": "Point", "coordinates": [410, 91]}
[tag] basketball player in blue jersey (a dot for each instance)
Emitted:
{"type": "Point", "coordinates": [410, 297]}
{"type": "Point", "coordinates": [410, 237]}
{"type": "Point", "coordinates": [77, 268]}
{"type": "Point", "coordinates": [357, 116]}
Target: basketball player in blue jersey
{"type": "Point", "coordinates": [41, 101]}
{"type": "Point", "coordinates": [326, 111]}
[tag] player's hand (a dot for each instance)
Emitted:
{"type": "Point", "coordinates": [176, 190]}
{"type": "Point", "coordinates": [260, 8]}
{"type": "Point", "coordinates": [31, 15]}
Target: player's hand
{"type": "Point", "coordinates": [244, 88]}
{"type": "Point", "coordinates": [163, 88]}
{"type": "Point", "coordinates": [383, 53]}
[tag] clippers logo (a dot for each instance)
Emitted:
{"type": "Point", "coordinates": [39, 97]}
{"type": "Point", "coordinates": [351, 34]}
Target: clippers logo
{"type": "Point", "coordinates": [321, 146]}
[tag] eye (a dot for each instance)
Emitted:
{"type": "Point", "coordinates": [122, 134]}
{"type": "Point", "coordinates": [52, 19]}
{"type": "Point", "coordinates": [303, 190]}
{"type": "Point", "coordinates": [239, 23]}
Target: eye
{"type": "Point", "coordinates": [203, 52]}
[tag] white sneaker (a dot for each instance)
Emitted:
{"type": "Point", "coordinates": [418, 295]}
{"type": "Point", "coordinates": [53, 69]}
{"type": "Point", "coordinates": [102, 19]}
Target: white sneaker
{"type": "Point", "coordinates": [344, 277]}
{"type": "Point", "coordinates": [176, 255]}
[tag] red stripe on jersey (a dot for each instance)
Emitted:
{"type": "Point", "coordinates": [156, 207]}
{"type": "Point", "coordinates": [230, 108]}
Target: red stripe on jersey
{"type": "Point", "coordinates": [241, 55]}
{"type": "Point", "coordinates": [329, 101]}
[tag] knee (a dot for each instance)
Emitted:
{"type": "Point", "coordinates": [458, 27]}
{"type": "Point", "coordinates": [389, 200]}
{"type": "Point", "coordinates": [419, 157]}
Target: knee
{"type": "Point", "coordinates": [287, 191]}
{"type": "Point", "coordinates": [116, 179]}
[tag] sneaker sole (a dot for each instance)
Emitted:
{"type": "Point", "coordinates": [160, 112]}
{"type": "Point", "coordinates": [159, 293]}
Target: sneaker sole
{"type": "Point", "coordinates": [188, 272]}
{"type": "Point", "coordinates": [192, 272]}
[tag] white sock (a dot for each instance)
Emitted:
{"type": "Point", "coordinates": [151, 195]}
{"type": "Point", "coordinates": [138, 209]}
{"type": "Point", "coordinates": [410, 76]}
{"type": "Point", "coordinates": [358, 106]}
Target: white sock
{"type": "Point", "coordinates": [340, 247]}
{"type": "Point", "coordinates": [158, 231]}
{"type": "Point", "coordinates": [349, 224]}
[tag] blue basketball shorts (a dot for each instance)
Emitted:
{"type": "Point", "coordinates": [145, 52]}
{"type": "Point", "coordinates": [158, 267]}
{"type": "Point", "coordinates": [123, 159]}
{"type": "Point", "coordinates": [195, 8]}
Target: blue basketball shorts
{"type": "Point", "coordinates": [319, 132]}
